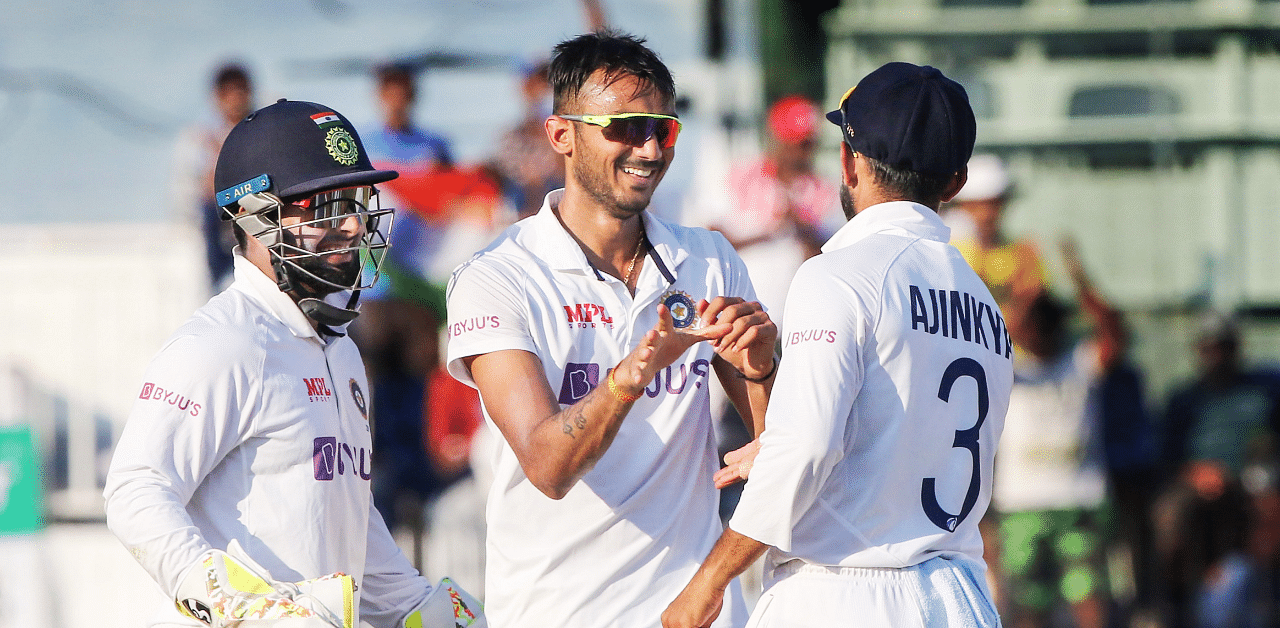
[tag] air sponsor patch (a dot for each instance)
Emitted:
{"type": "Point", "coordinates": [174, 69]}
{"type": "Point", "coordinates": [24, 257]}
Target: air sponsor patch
{"type": "Point", "coordinates": [260, 183]}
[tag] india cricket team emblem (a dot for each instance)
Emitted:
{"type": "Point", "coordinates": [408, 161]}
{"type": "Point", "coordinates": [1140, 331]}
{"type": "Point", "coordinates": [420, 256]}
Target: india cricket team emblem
{"type": "Point", "coordinates": [681, 306]}
{"type": "Point", "coordinates": [358, 396]}
{"type": "Point", "coordinates": [341, 146]}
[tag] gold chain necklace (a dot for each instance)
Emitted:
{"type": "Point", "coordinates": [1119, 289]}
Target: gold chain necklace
{"type": "Point", "coordinates": [634, 256]}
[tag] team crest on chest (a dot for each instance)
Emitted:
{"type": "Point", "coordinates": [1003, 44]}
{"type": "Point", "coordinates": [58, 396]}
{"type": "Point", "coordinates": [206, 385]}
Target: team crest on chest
{"type": "Point", "coordinates": [682, 309]}
{"type": "Point", "coordinates": [358, 396]}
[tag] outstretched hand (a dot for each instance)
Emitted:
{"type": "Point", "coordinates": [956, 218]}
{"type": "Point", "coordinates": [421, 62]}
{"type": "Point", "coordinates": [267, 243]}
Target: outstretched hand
{"type": "Point", "coordinates": [660, 347]}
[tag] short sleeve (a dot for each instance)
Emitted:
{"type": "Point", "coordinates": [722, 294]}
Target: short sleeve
{"type": "Point", "coordinates": [487, 313]}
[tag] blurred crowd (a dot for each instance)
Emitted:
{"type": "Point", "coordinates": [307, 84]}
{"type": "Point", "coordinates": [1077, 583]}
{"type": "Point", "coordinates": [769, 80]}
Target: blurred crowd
{"type": "Point", "coordinates": [1109, 508]}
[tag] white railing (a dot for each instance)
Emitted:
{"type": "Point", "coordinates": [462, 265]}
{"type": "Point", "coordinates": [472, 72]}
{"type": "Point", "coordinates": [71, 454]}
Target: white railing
{"type": "Point", "coordinates": [84, 309]}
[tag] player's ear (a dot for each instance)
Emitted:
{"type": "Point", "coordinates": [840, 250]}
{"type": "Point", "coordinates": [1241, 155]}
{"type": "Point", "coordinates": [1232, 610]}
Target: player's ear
{"type": "Point", "coordinates": [560, 133]}
{"type": "Point", "coordinates": [957, 181]}
{"type": "Point", "coordinates": [848, 159]}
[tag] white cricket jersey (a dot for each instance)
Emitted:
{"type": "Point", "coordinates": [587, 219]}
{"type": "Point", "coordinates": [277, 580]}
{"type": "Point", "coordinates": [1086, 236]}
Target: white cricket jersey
{"type": "Point", "coordinates": [888, 402]}
{"type": "Point", "coordinates": [618, 548]}
{"type": "Point", "coordinates": [249, 426]}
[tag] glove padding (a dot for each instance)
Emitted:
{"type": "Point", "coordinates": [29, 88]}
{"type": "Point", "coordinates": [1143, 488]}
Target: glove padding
{"type": "Point", "coordinates": [448, 606]}
{"type": "Point", "coordinates": [228, 589]}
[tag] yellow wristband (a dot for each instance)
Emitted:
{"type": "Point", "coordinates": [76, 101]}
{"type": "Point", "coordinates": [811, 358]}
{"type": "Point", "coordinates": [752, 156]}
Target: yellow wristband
{"type": "Point", "coordinates": [617, 390]}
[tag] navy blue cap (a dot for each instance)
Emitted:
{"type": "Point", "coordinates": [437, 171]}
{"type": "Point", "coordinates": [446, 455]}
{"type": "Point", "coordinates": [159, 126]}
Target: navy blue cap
{"type": "Point", "coordinates": [910, 117]}
{"type": "Point", "coordinates": [292, 149]}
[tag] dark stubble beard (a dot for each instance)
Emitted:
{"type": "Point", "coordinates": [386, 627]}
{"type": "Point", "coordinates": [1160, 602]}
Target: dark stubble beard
{"type": "Point", "coordinates": [301, 270]}
{"type": "Point", "coordinates": [594, 184]}
{"type": "Point", "coordinates": [846, 202]}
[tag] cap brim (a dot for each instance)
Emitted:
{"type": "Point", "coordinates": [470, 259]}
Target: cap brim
{"type": "Point", "coordinates": [835, 117]}
{"type": "Point", "coordinates": [345, 180]}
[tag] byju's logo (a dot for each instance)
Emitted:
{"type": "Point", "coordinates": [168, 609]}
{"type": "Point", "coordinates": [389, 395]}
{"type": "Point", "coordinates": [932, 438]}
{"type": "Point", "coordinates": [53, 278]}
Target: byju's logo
{"type": "Point", "coordinates": [317, 389]}
{"type": "Point", "coordinates": [332, 458]}
{"type": "Point", "coordinates": [582, 378]}
{"type": "Point", "coordinates": [579, 379]}
{"type": "Point", "coordinates": [151, 392]}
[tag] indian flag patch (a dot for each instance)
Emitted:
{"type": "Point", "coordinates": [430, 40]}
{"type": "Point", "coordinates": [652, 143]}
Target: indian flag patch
{"type": "Point", "coordinates": [326, 118]}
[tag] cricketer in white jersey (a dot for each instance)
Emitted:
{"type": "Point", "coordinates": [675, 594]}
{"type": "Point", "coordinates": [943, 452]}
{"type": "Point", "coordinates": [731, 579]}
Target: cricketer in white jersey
{"type": "Point", "coordinates": [241, 480]}
{"type": "Point", "coordinates": [876, 464]}
{"type": "Point", "coordinates": [618, 547]}
{"type": "Point", "coordinates": [251, 426]}
{"type": "Point", "coordinates": [888, 405]}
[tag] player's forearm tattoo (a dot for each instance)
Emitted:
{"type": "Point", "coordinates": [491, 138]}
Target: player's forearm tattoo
{"type": "Point", "coordinates": [573, 417]}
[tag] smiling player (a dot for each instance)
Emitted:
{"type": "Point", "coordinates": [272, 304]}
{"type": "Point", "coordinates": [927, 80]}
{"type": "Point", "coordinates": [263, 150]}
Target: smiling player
{"type": "Point", "coordinates": [582, 328]}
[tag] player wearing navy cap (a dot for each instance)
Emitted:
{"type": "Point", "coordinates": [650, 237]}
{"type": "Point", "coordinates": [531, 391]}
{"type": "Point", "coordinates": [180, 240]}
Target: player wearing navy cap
{"type": "Point", "coordinates": [875, 469]}
{"type": "Point", "coordinates": [241, 481]}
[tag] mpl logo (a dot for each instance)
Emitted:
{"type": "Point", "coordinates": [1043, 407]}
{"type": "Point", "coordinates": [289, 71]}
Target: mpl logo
{"type": "Point", "coordinates": [331, 459]}
{"type": "Point", "coordinates": [317, 389]}
{"type": "Point", "coordinates": [582, 315]}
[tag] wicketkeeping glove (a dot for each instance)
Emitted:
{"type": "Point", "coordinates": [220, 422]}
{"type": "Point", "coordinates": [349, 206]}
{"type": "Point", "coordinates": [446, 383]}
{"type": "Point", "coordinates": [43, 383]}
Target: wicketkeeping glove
{"type": "Point", "coordinates": [448, 606]}
{"type": "Point", "coordinates": [227, 589]}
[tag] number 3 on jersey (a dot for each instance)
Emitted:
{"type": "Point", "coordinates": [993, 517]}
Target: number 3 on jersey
{"type": "Point", "coordinates": [968, 439]}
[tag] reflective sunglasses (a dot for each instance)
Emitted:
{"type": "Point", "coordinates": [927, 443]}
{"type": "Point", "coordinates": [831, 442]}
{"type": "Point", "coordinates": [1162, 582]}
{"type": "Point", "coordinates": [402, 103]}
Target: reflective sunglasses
{"type": "Point", "coordinates": [332, 206]}
{"type": "Point", "coordinates": [634, 129]}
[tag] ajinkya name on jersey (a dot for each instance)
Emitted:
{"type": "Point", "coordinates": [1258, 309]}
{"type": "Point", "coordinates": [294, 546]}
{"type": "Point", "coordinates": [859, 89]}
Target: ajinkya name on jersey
{"type": "Point", "coordinates": [958, 315]}
{"type": "Point", "coordinates": [581, 378]}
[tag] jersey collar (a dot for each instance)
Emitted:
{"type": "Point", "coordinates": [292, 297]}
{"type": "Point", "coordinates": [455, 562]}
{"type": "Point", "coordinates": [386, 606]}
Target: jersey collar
{"type": "Point", "coordinates": [250, 280]}
{"type": "Point", "coordinates": [561, 251]}
{"type": "Point", "coordinates": [903, 218]}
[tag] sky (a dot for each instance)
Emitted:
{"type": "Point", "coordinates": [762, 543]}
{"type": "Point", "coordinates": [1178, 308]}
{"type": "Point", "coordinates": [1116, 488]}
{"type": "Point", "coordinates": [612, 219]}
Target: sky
{"type": "Point", "coordinates": [92, 94]}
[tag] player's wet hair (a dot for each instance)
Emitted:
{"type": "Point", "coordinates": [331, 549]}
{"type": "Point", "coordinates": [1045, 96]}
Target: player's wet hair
{"type": "Point", "coordinates": [926, 189]}
{"type": "Point", "coordinates": [616, 53]}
